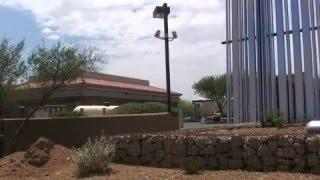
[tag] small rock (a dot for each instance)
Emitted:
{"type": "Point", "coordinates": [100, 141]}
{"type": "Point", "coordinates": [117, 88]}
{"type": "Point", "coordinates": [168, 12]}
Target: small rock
{"type": "Point", "coordinates": [313, 143]}
{"type": "Point", "coordinates": [39, 152]}
{"type": "Point", "coordinates": [285, 141]}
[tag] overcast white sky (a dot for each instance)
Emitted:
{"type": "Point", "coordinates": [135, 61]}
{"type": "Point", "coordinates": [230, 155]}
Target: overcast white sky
{"type": "Point", "coordinates": [123, 30]}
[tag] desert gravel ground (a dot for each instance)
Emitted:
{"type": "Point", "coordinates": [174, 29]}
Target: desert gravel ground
{"type": "Point", "coordinates": [60, 167]}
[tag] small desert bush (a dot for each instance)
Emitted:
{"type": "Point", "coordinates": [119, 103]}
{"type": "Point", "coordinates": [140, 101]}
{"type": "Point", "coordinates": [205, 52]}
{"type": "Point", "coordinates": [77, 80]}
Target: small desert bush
{"type": "Point", "coordinates": [192, 165]}
{"type": "Point", "coordinates": [94, 156]}
{"type": "Point", "coordinates": [68, 114]}
{"type": "Point", "coordinates": [139, 108]}
{"type": "Point", "coordinates": [274, 120]}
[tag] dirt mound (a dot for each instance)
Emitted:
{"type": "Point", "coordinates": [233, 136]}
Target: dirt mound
{"type": "Point", "coordinates": [39, 152]}
{"type": "Point", "coordinates": [59, 166]}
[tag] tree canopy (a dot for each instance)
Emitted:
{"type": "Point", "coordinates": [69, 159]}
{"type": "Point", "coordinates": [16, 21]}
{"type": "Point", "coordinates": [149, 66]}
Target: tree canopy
{"type": "Point", "coordinates": [12, 70]}
{"type": "Point", "coordinates": [213, 88]}
{"type": "Point", "coordinates": [54, 68]}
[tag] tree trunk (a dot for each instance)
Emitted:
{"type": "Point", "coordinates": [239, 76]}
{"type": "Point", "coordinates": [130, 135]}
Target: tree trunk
{"type": "Point", "coordinates": [220, 107]}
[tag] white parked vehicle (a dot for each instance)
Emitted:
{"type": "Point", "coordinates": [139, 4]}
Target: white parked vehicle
{"type": "Point", "coordinates": [94, 110]}
{"type": "Point", "coordinates": [313, 127]}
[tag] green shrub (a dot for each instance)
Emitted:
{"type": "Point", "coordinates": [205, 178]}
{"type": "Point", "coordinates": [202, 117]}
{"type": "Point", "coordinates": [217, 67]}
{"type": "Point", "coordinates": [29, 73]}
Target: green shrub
{"type": "Point", "coordinates": [67, 114]}
{"type": "Point", "coordinates": [94, 156]}
{"type": "Point", "coordinates": [193, 165]}
{"type": "Point", "coordinates": [186, 107]}
{"type": "Point", "coordinates": [139, 108]}
{"type": "Point", "coordinates": [274, 120]}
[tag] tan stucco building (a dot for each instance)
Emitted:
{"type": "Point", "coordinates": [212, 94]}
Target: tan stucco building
{"type": "Point", "coordinates": [97, 89]}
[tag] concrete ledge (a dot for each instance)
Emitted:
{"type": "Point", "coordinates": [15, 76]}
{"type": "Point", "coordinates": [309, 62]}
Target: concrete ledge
{"type": "Point", "coordinates": [75, 131]}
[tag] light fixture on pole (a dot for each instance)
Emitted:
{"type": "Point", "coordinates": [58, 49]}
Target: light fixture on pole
{"type": "Point", "coordinates": [163, 12]}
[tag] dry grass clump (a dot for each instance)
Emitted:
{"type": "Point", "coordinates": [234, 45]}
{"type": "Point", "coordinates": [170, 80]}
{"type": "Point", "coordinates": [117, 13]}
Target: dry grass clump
{"type": "Point", "coordinates": [94, 156]}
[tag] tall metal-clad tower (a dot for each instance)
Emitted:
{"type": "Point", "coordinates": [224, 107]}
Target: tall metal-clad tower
{"type": "Point", "coordinates": [273, 53]}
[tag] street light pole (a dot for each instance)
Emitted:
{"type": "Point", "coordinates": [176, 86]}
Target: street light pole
{"type": "Point", "coordinates": [166, 43]}
{"type": "Point", "coordinates": [163, 12]}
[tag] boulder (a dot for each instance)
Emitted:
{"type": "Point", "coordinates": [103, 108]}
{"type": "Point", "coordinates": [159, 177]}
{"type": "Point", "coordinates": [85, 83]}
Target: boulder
{"type": "Point", "coordinates": [313, 144]}
{"type": "Point", "coordinates": [39, 152]}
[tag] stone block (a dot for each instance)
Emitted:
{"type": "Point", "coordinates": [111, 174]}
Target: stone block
{"type": "Point", "coordinates": [133, 148]}
{"type": "Point", "coordinates": [223, 161]}
{"type": "Point", "coordinates": [269, 161]}
{"type": "Point", "coordinates": [254, 142]}
{"type": "Point", "coordinates": [286, 162]}
{"type": "Point", "coordinates": [300, 148]}
{"type": "Point", "coordinates": [286, 152]}
{"type": "Point", "coordinates": [254, 163]}
{"type": "Point", "coordinates": [312, 160]}
{"type": "Point", "coordinates": [237, 141]}
{"type": "Point", "coordinates": [236, 163]}
{"type": "Point", "coordinates": [285, 141]}
{"type": "Point", "coordinates": [264, 150]}
{"type": "Point", "coordinates": [248, 151]}
{"type": "Point", "coordinates": [208, 150]}
{"type": "Point", "coordinates": [223, 145]}
{"type": "Point", "coordinates": [212, 162]}
{"type": "Point", "coordinates": [236, 153]}
{"type": "Point", "coordinates": [313, 144]}
{"type": "Point", "coordinates": [300, 161]}
{"type": "Point", "coordinates": [273, 146]}
{"type": "Point", "coordinates": [192, 150]}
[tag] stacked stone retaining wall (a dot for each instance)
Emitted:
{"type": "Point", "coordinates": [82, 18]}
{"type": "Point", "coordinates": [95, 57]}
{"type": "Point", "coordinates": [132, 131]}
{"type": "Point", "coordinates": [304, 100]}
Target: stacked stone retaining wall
{"type": "Point", "coordinates": [298, 153]}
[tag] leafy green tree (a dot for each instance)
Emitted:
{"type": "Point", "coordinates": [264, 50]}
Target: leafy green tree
{"type": "Point", "coordinates": [213, 88]}
{"type": "Point", "coordinates": [53, 69]}
{"type": "Point", "coordinates": [186, 107]}
{"type": "Point", "coordinates": [12, 71]}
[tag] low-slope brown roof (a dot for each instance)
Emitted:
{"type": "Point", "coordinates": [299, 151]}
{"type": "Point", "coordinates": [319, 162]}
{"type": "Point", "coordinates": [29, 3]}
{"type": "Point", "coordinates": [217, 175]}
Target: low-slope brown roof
{"type": "Point", "coordinates": [124, 86]}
